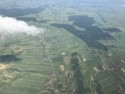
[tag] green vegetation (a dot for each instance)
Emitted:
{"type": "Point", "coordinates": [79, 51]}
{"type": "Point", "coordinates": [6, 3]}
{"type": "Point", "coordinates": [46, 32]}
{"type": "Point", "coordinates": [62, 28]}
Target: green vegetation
{"type": "Point", "coordinates": [28, 64]}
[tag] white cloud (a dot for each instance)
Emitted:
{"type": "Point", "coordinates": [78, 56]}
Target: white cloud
{"type": "Point", "coordinates": [123, 5]}
{"type": "Point", "coordinates": [11, 25]}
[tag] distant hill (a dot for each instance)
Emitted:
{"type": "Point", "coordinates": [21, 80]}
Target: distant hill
{"type": "Point", "coordinates": [22, 3]}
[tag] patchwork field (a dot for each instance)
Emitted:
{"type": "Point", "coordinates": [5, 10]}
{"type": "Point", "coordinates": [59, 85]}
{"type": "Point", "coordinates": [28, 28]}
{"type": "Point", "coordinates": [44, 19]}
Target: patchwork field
{"type": "Point", "coordinates": [81, 51]}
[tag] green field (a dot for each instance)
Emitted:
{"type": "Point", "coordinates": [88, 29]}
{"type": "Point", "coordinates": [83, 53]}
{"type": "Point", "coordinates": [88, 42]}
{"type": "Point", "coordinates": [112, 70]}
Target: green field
{"type": "Point", "coordinates": [95, 31]}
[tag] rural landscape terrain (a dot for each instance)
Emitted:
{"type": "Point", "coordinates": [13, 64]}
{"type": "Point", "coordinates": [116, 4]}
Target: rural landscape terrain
{"type": "Point", "coordinates": [62, 47]}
